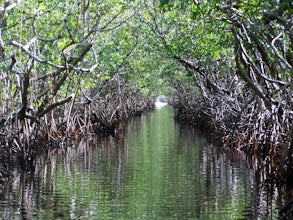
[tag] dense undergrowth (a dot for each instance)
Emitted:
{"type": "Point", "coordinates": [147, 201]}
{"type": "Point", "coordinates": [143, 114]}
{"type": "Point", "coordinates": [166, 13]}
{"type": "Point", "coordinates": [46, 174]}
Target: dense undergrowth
{"type": "Point", "coordinates": [104, 110]}
{"type": "Point", "coordinates": [239, 122]}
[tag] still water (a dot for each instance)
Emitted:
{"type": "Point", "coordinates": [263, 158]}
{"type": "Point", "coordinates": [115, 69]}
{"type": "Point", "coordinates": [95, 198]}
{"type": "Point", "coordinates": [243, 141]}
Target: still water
{"type": "Point", "coordinates": [159, 170]}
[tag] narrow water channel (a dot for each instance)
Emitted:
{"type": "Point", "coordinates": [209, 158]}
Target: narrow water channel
{"type": "Point", "coordinates": [159, 170]}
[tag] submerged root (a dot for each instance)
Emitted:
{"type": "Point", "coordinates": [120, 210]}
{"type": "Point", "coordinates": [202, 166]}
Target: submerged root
{"type": "Point", "coordinates": [109, 109]}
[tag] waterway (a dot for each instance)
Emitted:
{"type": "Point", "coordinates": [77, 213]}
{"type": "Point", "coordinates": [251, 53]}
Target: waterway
{"type": "Point", "coordinates": [158, 170]}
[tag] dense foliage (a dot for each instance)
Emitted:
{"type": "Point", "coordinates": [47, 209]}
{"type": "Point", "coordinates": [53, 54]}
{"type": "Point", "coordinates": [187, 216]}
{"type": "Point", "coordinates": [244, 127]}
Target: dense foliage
{"type": "Point", "coordinates": [55, 54]}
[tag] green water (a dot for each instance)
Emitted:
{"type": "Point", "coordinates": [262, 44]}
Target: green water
{"type": "Point", "coordinates": [159, 170]}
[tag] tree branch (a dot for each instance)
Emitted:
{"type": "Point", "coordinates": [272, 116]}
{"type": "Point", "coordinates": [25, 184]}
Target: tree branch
{"type": "Point", "coordinates": [54, 105]}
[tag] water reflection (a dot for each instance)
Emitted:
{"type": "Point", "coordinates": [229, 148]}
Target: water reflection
{"type": "Point", "coordinates": [160, 170]}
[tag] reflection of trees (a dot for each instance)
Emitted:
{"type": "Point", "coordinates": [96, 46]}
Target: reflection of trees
{"type": "Point", "coordinates": [23, 195]}
{"type": "Point", "coordinates": [68, 182]}
{"type": "Point", "coordinates": [158, 169]}
{"type": "Point", "coordinates": [225, 187]}
{"type": "Point", "coordinates": [231, 189]}
{"type": "Point", "coordinates": [93, 171]}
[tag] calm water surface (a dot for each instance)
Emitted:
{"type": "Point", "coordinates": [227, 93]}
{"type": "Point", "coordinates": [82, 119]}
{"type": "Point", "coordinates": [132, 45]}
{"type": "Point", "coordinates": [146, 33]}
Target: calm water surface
{"type": "Point", "coordinates": [160, 170]}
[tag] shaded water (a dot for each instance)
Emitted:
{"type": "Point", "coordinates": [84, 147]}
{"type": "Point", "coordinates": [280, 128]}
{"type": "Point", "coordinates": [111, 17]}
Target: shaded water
{"type": "Point", "coordinates": [160, 170]}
